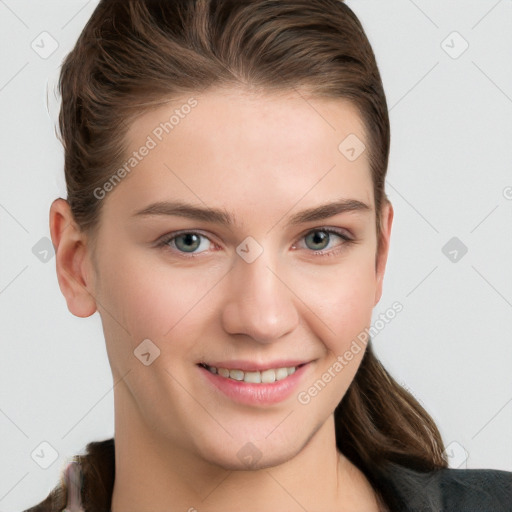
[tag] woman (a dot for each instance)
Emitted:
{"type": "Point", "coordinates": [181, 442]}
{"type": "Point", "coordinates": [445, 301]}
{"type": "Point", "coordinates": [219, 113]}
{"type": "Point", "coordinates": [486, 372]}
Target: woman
{"type": "Point", "coordinates": [226, 216]}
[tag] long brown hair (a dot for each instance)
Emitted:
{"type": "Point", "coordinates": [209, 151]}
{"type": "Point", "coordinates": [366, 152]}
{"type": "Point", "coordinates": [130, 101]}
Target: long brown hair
{"type": "Point", "coordinates": [134, 55]}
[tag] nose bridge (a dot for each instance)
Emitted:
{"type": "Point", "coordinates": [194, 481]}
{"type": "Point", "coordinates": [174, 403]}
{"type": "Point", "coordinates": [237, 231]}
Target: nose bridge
{"type": "Point", "coordinates": [260, 305]}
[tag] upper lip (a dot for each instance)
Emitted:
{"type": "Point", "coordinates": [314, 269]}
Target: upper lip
{"type": "Point", "coordinates": [251, 366]}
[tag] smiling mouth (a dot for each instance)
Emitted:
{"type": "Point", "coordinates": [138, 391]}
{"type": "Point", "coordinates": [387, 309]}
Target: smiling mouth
{"type": "Point", "coordinates": [254, 377]}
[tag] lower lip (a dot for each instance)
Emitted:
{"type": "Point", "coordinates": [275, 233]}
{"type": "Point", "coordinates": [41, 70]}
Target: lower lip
{"type": "Point", "coordinates": [256, 394]}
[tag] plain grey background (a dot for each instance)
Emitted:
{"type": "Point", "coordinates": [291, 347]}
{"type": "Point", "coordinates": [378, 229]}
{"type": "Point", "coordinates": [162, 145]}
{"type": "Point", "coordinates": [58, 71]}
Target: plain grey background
{"type": "Point", "coordinates": [447, 72]}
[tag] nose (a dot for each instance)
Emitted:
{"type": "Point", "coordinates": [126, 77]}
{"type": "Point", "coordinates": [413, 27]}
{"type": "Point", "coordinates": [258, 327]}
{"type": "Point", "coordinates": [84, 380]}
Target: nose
{"type": "Point", "coordinates": [260, 303]}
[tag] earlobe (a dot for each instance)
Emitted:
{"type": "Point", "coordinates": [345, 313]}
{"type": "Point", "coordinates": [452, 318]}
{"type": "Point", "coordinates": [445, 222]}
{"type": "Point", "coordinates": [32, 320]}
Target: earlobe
{"type": "Point", "coordinates": [382, 256]}
{"type": "Point", "coordinates": [72, 260]}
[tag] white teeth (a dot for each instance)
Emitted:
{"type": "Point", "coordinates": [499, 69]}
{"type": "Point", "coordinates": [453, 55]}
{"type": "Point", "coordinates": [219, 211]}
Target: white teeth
{"type": "Point", "coordinates": [223, 372]}
{"type": "Point", "coordinates": [263, 377]}
{"type": "Point", "coordinates": [281, 373]}
{"type": "Point", "coordinates": [268, 376]}
{"type": "Point", "coordinates": [236, 374]}
{"type": "Point", "coordinates": [252, 377]}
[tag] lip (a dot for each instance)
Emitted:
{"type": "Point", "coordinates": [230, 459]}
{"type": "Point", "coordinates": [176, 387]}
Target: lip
{"type": "Point", "coordinates": [255, 394]}
{"type": "Point", "coordinates": [251, 366]}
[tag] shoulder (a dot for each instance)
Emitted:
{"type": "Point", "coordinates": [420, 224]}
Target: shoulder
{"type": "Point", "coordinates": [457, 490]}
{"type": "Point", "coordinates": [477, 489]}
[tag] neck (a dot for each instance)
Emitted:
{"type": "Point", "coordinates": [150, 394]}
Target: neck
{"type": "Point", "coordinates": [155, 474]}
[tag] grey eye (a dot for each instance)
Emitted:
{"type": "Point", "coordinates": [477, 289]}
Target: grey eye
{"type": "Point", "coordinates": [319, 240]}
{"type": "Point", "coordinates": [188, 242]}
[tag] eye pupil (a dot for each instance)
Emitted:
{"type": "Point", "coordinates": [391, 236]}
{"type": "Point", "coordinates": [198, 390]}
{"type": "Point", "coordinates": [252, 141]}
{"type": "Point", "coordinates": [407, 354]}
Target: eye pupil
{"type": "Point", "coordinates": [192, 242]}
{"type": "Point", "coordinates": [318, 237]}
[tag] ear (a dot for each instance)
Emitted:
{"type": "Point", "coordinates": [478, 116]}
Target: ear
{"type": "Point", "coordinates": [74, 269]}
{"type": "Point", "coordinates": [383, 247]}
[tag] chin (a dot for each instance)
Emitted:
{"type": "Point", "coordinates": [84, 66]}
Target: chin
{"type": "Point", "coordinates": [257, 461]}
{"type": "Point", "coordinates": [243, 455]}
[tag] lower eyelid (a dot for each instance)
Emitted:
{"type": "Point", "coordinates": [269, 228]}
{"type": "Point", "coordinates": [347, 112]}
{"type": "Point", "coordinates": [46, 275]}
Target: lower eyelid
{"type": "Point", "coordinates": [165, 241]}
{"type": "Point", "coordinates": [344, 237]}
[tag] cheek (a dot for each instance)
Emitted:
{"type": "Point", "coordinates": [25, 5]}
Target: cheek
{"type": "Point", "coordinates": [146, 302]}
{"type": "Point", "coordinates": [343, 298]}
{"type": "Point", "coordinates": [145, 297]}
{"type": "Point", "coordinates": [156, 302]}
{"type": "Point", "coordinates": [343, 314]}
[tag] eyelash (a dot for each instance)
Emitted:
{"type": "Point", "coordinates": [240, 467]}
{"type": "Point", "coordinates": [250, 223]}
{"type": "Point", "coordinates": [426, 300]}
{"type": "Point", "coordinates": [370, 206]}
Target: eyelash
{"type": "Point", "coordinates": [163, 243]}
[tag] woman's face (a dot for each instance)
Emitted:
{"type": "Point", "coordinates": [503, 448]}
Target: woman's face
{"type": "Point", "coordinates": [248, 262]}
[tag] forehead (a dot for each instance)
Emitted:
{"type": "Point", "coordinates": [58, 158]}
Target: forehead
{"type": "Point", "coordinates": [266, 115]}
{"type": "Point", "coordinates": [227, 142]}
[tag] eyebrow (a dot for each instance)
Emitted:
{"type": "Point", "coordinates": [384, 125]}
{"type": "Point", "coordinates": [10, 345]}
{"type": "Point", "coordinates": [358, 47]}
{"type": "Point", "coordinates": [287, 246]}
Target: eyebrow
{"type": "Point", "coordinates": [223, 217]}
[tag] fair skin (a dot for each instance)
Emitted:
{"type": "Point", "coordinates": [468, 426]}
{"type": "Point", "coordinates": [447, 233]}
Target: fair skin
{"type": "Point", "coordinates": [263, 159]}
